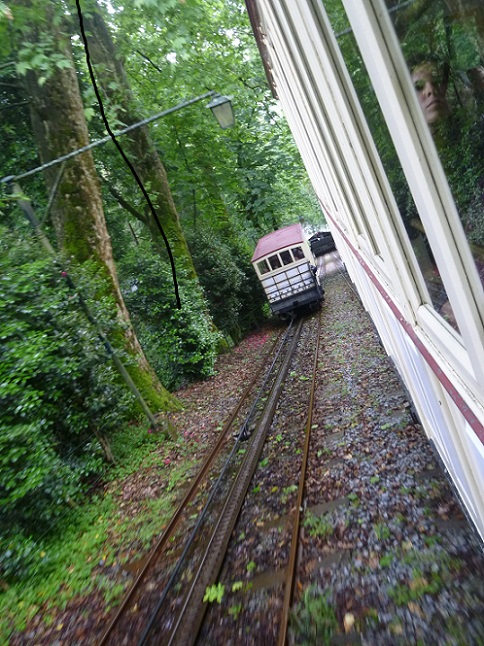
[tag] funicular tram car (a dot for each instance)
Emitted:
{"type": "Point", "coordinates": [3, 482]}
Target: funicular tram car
{"type": "Point", "coordinates": [385, 99]}
{"type": "Point", "coordinates": [288, 271]}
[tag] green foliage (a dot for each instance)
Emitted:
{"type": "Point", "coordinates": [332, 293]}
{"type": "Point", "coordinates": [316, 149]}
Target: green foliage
{"type": "Point", "coordinates": [382, 531]}
{"type": "Point", "coordinates": [233, 292]}
{"type": "Point", "coordinates": [386, 560]}
{"type": "Point", "coordinates": [90, 539]}
{"type": "Point", "coordinates": [250, 176]}
{"type": "Point", "coordinates": [251, 566]}
{"type": "Point", "coordinates": [37, 46]}
{"type": "Point", "coordinates": [235, 610]}
{"type": "Point", "coordinates": [287, 492]}
{"type": "Point", "coordinates": [44, 61]}
{"type": "Point", "coordinates": [273, 189]}
{"type": "Point", "coordinates": [219, 276]}
{"type": "Point", "coordinates": [5, 11]}
{"type": "Point", "coordinates": [57, 395]}
{"type": "Point", "coordinates": [414, 590]}
{"type": "Point", "coordinates": [214, 592]}
{"type": "Point", "coordinates": [428, 571]}
{"type": "Point", "coordinates": [318, 525]}
{"type": "Point", "coordinates": [179, 343]}
{"type": "Point", "coordinates": [313, 620]}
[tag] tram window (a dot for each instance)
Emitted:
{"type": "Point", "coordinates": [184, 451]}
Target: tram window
{"type": "Point", "coordinates": [298, 253]}
{"type": "Point", "coordinates": [386, 149]}
{"type": "Point", "coordinates": [263, 267]}
{"type": "Point", "coordinates": [449, 83]}
{"type": "Point", "coordinates": [286, 257]}
{"type": "Point", "coordinates": [274, 262]}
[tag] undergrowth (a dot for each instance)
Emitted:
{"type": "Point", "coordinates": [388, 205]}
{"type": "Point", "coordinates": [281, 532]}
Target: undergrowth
{"type": "Point", "coordinates": [313, 620]}
{"type": "Point", "coordinates": [92, 541]}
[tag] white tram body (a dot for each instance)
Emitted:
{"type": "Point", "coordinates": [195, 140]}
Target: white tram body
{"type": "Point", "coordinates": [287, 269]}
{"type": "Point", "coordinates": [328, 62]}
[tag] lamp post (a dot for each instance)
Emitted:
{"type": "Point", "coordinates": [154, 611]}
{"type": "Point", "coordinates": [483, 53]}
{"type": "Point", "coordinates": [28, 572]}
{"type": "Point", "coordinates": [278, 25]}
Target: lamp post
{"type": "Point", "coordinates": [221, 108]}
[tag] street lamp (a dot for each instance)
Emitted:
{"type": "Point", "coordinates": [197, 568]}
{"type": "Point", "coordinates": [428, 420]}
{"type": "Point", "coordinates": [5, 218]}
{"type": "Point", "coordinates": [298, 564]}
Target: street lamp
{"type": "Point", "coordinates": [220, 105]}
{"type": "Point", "coordinates": [221, 108]}
{"type": "Point", "coordinates": [222, 111]}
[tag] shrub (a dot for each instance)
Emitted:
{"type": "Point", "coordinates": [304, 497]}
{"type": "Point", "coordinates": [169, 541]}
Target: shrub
{"type": "Point", "coordinates": [234, 293]}
{"type": "Point", "coordinates": [59, 395]}
{"type": "Point", "coordinates": [180, 344]}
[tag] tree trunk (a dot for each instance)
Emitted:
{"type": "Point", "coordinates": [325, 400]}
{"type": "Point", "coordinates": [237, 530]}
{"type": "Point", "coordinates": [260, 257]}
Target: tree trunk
{"type": "Point", "coordinates": [57, 115]}
{"type": "Point", "coordinates": [111, 76]}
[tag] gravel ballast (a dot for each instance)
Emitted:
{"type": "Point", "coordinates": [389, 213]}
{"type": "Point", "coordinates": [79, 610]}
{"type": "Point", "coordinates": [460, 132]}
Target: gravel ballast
{"type": "Point", "coordinates": [386, 556]}
{"type": "Point", "coordinates": [403, 565]}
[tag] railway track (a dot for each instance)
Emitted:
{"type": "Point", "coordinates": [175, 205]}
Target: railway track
{"type": "Point", "coordinates": [177, 597]}
{"type": "Point", "coordinates": [187, 625]}
{"type": "Point", "coordinates": [149, 577]}
{"type": "Point", "coordinates": [268, 529]}
{"type": "Point", "coordinates": [116, 623]}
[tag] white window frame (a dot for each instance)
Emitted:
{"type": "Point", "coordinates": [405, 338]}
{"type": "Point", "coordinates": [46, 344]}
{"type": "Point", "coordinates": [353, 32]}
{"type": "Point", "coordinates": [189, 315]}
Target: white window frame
{"type": "Point", "coordinates": [387, 68]}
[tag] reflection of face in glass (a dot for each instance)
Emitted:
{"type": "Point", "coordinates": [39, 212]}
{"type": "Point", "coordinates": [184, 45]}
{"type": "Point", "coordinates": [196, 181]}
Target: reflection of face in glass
{"type": "Point", "coordinates": [431, 88]}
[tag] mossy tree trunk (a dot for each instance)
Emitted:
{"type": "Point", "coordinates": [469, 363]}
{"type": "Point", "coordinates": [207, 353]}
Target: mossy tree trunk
{"type": "Point", "coordinates": [59, 125]}
{"type": "Point", "coordinates": [139, 145]}
{"type": "Point", "coordinates": [111, 76]}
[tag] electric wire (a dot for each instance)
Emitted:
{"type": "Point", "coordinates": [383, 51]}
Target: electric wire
{"type": "Point", "coordinates": [123, 155]}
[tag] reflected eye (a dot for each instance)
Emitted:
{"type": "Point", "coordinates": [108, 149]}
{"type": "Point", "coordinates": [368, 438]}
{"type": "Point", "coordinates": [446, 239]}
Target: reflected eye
{"type": "Point", "coordinates": [419, 85]}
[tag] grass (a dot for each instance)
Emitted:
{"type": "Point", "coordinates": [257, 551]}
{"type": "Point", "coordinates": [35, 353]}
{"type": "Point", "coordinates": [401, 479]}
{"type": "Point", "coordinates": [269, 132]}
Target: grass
{"type": "Point", "coordinates": [318, 526]}
{"type": "Point", "coordinates": [287, 491]}
{"type": "Point", "coordinates": [65, 569]}
{"type": "Point", "coordinates": [91, 539]}
{"type": "Point", "coordinates": [382, 531]}
{"type": "Point", "coordinates": [235, 610]}
{"type": "Point", "coordinates": [314, 620]}
{"type": "Point", "coordinates": [428, 574]}
{"type": "Point", "coordinates": [413, 590]}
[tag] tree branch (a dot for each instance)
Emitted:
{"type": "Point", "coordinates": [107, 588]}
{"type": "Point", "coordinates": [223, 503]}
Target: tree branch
{"type": "Point", "coordinates": [126, 205]}
{"type": "Point", "coordinates": [149, 60]}
{"type": "Point", "coordinates": [14, 105]}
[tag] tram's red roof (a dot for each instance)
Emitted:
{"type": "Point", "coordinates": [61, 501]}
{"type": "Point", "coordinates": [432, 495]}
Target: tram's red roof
{"type": "Point", "coordinates": [293, 234]}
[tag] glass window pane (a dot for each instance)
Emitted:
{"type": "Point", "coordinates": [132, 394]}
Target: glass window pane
{"type": "Point", "coordinates": [444, 49]}
{"type": "Point", "coordinates": [298, 253]}
{"type": "Point", "coordinates": [274, 262]}
{"type": "Point", "coordinates": [263, 267]}
{"type": "Point", "coordinates": [286, 257]}
{"type": "Point", "coordinates": [388, 155]}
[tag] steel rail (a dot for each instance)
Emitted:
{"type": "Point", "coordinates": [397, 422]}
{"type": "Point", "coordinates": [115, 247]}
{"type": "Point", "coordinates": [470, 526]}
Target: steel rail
{"type": "Point", "coordinates": [291, 568]}
{"type": "Point", "coordinates": [344, 273]}
{"type": "Point", "coordinates": [175, 519]}
{"type": "Point", "coordinates": [188, 622]}
{"type": "Point", "coordinates": [214, 490]}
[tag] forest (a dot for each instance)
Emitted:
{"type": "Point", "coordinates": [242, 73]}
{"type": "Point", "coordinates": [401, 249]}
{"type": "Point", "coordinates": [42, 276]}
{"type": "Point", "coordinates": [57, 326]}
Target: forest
{"type": "Point", "coordinates": [125, 269]}
{"type": "Point", "coordinates": [125, 258]}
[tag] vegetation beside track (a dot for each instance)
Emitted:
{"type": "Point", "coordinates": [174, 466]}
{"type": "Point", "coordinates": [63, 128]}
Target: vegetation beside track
{"type": "Point", "coordinates": [84, 572]}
